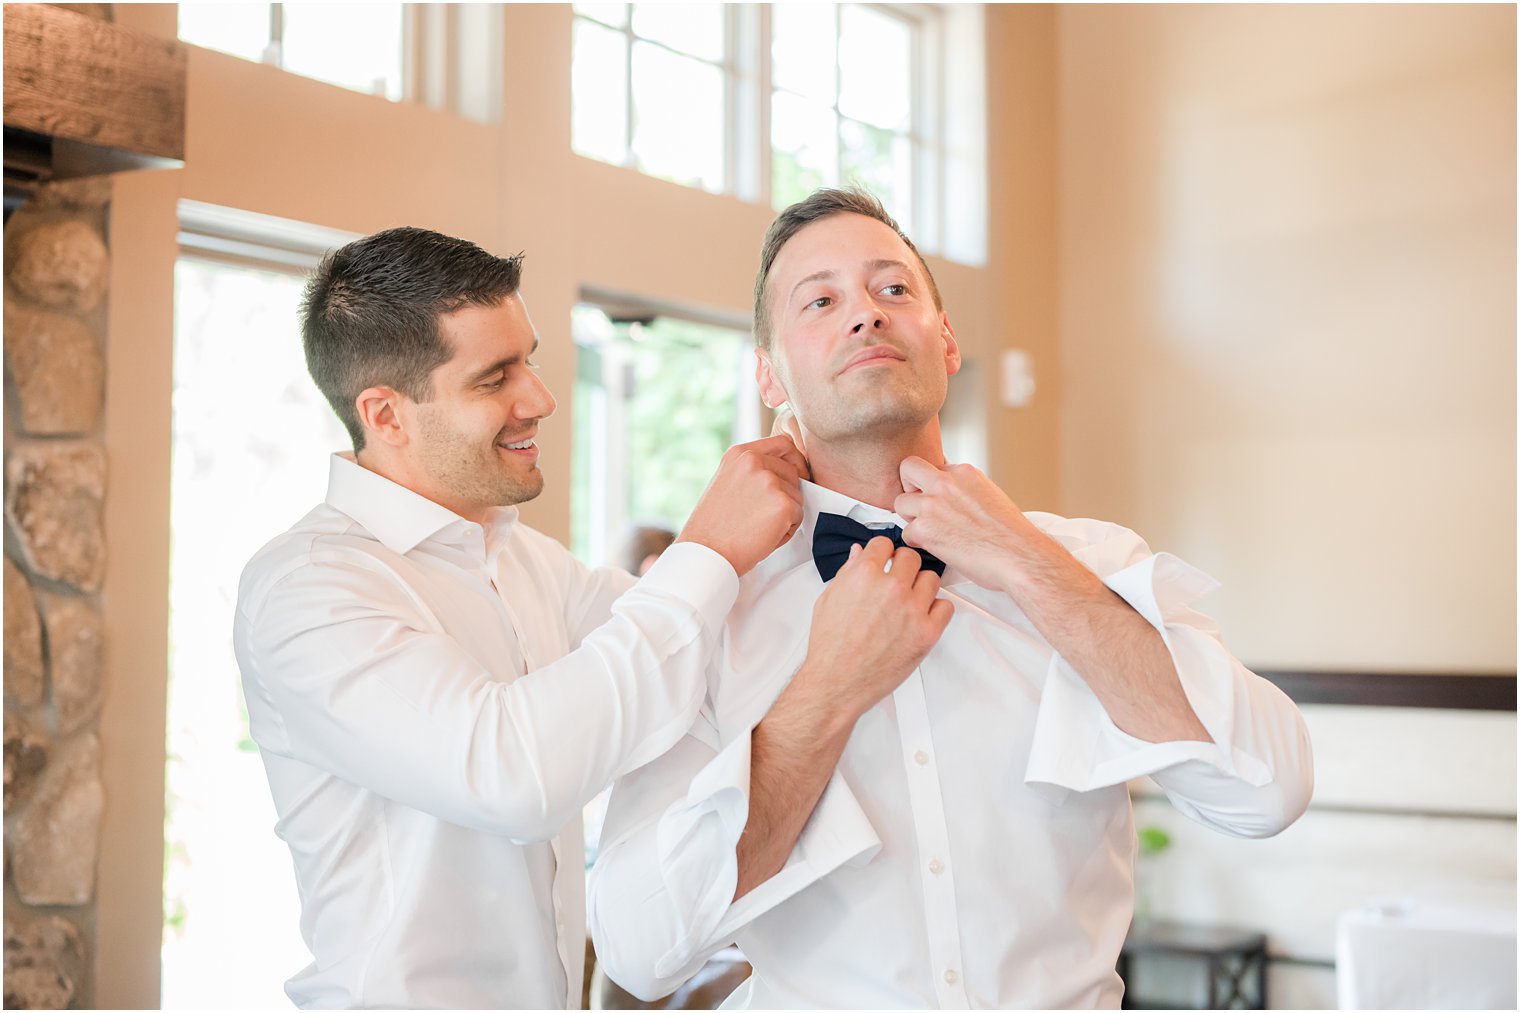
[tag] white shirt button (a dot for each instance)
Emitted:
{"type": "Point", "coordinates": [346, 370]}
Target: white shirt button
{"type": "Point", "coordinates": [920, 757]}
{"type": "Point", "coordinates": [951, 977]}
{"type": "Point", "coordinates": [936, 867]}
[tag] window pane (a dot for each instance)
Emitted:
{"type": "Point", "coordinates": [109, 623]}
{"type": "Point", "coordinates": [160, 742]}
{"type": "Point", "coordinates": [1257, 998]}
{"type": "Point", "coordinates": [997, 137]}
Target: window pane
{"type": "Point", "coordinates": [881, 162]}
{"type": "Point", "coordinates": [802, 49]}
{"type": "Point", "coordinates": [615, 15]}
{"type": "Point", "coordinates": [803, 148]}
{"type": "Point", "coordinates": [239, 29]}
{"type": "Point", "coordinates": [228, 886]}
{"type": "Point", "coordinates": [678, 117]}
{"type": "Point", "coordinates": [692, 28]}
{"type": "Point", "coordinates": [356, 46]}
{"type": "Point", "coordinates": [599, 69]}
{"type": "Point", "coordinates": [875, 67]}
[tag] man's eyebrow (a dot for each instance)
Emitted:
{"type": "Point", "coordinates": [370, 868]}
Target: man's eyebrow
{"type": "Point", "coordinates": [497, 366]}
{"type": "Point", "coordinates": [823, 275]}
{"type": "Point", "coordinates": [874, 265]}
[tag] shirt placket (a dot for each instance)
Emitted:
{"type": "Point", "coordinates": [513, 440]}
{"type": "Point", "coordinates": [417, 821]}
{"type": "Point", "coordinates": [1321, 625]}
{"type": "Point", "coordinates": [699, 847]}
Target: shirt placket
{"type": "Point", "coordinates": [936, 877]}
{"type": "Point", "coordinates": [497, 576]}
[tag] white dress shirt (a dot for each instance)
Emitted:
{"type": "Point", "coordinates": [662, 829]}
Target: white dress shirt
{"type": "Point", "coordinates": [434, 701]}
{"type": "Point", "coordinates": [975, 846]}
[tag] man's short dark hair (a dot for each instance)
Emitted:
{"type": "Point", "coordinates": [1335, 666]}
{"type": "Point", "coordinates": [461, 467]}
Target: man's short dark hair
{"type": "Point", "coordinates": [369, 316]}
{"type": "Point", "coordinates": [820, 204]}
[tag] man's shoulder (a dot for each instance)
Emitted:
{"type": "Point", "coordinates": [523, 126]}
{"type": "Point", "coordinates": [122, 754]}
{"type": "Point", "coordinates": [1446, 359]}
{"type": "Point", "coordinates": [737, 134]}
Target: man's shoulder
{"type": "Point", "coordinates": [321, 535]}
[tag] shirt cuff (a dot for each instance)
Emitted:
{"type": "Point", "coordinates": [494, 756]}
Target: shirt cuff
{"type": "Point", "coordinates": [698, 576]}
{"type": "Point", "coordinates": [1077, 747]}
{"type": "Point", "coordinates": [698, 835]}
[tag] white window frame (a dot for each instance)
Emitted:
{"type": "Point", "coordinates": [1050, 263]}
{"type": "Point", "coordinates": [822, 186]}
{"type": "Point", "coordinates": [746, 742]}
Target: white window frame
{"type": "Point", "coordinates": [927, 97]}
{"type": "Point", "coordinates": [936, 134]}
{"type": "Point", "coordinates": [731, 66]}
{"type": "Point", "coordinates": [451, 56]}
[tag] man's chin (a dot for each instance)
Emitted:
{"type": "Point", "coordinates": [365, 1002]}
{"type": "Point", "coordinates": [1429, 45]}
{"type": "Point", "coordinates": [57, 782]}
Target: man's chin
{"type": "Point", "coordinates": [522, 492]}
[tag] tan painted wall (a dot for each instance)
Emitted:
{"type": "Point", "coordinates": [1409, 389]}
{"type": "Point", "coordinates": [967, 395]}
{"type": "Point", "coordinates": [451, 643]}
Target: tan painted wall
{"type": "Point", "coordinates": [1233, 240]}
{"type": "Point", "coordinates": [269, 142]}
{"type": "Point", "coordinates": [1288, 316]}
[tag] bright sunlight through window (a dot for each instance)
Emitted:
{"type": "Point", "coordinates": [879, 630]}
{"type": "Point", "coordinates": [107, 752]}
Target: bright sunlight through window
{"type": "Point", "coordinates": [250, 429]}
{"type": "Point", "coordinates": [355, 46]}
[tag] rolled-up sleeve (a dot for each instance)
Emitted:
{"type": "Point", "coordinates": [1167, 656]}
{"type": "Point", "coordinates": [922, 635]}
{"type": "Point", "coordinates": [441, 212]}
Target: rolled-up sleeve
{"type": "Point", "coordinates": [1252, 780]}
{"type": "Point", "coordinates": [661, 894]}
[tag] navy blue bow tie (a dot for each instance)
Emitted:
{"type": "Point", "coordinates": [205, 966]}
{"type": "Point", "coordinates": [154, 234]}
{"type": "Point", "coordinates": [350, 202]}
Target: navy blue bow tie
{"type": "Point", "coordinates": [833, 534]}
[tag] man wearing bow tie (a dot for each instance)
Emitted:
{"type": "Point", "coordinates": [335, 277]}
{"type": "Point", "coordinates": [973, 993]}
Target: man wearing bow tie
{"type": "Point", "coordinates": [908, 787]}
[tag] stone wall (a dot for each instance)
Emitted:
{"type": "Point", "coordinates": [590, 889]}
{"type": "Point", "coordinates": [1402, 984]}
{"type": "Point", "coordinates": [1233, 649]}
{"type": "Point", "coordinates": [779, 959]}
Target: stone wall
{"type": "Point", "coordinates": [56, 269]}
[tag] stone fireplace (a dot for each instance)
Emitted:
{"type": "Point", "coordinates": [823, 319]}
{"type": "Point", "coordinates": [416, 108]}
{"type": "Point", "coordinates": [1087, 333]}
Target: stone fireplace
{"type": "Point", "coordinates": [83, 99]}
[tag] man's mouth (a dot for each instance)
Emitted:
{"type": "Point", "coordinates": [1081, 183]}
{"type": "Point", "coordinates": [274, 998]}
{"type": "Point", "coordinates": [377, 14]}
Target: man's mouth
{"type": "Point", "coordinates": [876, 353]}
{"type": "Point", "coordinates": [526, 447]}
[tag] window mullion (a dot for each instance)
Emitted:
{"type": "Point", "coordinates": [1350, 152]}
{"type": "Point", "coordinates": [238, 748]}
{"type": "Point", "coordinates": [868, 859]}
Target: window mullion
{"type": "Point", "coordinates": [274, 53]}
{"type": "Point", "coordinates": [764, 90]}
{"type": "Point", "coordinates": [839, 179]}
{"type": "Point", "coordinates": [628, 39]}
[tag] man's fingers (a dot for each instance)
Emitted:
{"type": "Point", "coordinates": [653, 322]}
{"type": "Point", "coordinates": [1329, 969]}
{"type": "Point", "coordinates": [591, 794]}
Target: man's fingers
{"type": "Point", "coordinates": [926, 584]}
{"type": "Point", "coordinates": [940, 612]}
{"type": "Point", "coordinates": [917, 474]}
{"type": "Point", "coordinates": [906, 563]}
{"type": "Point", "coordinates": [909, 505]}
{"type": "Point", "coordinates": [780, 445]}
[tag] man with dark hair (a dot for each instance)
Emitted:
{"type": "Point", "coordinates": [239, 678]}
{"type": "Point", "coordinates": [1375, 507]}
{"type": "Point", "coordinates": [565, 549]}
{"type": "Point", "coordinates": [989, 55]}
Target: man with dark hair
{"type": "Point", "coordinates": [919, 798]}
{"type": "Point", "coordinates": [436, 688]}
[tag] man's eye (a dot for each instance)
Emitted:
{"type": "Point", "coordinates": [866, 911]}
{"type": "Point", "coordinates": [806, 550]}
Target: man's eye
{"type": "Point", "coordinates": [820, 302]}
{"type": "Point", "coordinates": [493, 384]}
{"type": "Point", "coordinates": [531, 365]}
{"type": "Point", "coordinates": [897, 289]}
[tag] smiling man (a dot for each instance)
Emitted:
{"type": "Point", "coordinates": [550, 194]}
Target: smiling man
{"type": "Point", "coordinates": [907, 787]}
{"type": "Point", "coordinates": [436, 688]}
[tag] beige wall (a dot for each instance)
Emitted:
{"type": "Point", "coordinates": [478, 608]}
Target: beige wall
{"type": "Point", "coordinates": [269, 142]}
{"type": "Point", "coordinates": [1263, 260]}
{"type": "Point", "coordinates": [1288, 317]}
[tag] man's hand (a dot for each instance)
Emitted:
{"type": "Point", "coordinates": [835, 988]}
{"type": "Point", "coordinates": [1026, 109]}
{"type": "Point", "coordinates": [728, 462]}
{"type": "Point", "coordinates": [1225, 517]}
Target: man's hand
{"type": "Point", "coordinates": [871, 627]}
{"type": "Point", "coordinates": [753, 503]}
{"type": "Point", "coordinates": [786, 424]}
{"type": "Point", "coordinates": [960, 516]}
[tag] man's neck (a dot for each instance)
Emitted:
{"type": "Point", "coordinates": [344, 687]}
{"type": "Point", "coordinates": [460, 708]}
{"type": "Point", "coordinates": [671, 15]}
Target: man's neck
{"type": "Point", "coordinates": [868, 469]}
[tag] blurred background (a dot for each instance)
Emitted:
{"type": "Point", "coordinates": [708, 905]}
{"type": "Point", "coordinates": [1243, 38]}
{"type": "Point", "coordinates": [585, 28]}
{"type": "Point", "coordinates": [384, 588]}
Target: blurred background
{"type": "Point", "coordinates": [1241, 278]}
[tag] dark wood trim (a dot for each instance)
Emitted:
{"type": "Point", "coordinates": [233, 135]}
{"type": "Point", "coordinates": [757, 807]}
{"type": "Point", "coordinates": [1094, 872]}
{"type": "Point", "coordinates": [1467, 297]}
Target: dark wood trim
{"type": "Point", "coordinates": [75, 78]}
{"type": "Point", "coordinates": [1454, 691]}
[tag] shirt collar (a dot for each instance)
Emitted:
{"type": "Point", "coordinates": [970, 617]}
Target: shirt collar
{"type": "Point", "coordinates": [399, 518]}
{"type": "Point", "coordinates": [816, 500]}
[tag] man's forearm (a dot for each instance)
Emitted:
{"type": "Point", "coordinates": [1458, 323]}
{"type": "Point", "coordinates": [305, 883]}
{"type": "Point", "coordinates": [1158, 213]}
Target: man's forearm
{"type": "Point", "coordinates": [793, 753]}
{"type": "Point", "coordinates": [1120, 656]}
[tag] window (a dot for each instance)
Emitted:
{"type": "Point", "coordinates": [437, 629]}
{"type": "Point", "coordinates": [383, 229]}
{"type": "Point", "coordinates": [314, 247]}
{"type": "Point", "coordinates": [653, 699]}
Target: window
{"type": "Point", "coordinates": [246, 422]}
{"type": "Point", "coordinates": [300, 38]}
{"type": "Point", "coordinates": [768, 102]}
{"type": "Point", "coordinates": [658, 399]}
{"type": "Point", "coordinates": [835, 115]}
{"type": "Point", "coordinates": [650, 89]}
{"type": "Point", "coordinates": [445, 55]}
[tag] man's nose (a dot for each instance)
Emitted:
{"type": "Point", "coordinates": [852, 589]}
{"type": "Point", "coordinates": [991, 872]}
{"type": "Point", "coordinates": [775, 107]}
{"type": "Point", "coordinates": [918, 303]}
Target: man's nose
{"type": "Point", "coordinates": [540, 404]}
{"type": "Point", "coordinates": [868, 317]}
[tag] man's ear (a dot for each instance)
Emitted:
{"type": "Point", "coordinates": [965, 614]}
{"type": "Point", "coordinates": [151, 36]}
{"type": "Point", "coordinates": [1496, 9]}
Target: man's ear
{"type": "Point", "coordinates": [771, 392]}
{"type": "Point", "coordinates": [379, 411]}
{"type": "Point", "coordinates": [952, 348]}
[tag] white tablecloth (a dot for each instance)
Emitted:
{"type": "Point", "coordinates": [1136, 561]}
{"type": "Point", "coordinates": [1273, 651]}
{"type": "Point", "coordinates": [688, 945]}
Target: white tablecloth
{"type": "Point", "coordinates": [1407, 955]}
